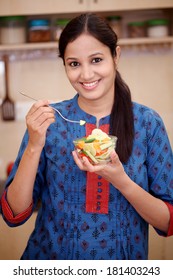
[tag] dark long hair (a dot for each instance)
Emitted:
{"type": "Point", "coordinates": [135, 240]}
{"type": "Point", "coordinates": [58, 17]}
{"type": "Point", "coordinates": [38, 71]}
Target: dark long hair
{"type": "Point", "coordinates": [121, 118]}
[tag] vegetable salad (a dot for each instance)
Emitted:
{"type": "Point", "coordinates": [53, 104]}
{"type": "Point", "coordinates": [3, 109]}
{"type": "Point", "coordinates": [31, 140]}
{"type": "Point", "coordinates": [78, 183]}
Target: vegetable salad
{"type": "Point", "coordinates": [97, 147]}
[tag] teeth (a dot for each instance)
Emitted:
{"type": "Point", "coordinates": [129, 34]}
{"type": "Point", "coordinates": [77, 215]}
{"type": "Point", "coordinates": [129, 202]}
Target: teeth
{"type": "Point", "coordinates": [90, 84]}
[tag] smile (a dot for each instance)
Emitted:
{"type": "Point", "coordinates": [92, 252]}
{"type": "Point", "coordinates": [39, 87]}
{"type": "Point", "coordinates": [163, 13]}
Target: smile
{"type": "Point", "coordinates": [90, 85]}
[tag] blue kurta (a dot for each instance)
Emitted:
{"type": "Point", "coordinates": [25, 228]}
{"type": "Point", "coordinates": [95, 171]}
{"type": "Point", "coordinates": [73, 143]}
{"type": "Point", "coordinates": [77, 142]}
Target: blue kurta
{"type": "Point", "coordinates": [63, 229]}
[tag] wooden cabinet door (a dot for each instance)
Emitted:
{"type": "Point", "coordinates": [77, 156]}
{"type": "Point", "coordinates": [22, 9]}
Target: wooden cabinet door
{"type": "Point", "coordinates": [37, 7]}
{"type": "Point", "coordinates": [119, 5]}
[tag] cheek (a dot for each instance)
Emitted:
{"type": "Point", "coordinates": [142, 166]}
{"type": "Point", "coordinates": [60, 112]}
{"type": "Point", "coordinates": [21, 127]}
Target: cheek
{"type": "Point", "coordinates": [109, 73]}
{"type": "Point", "coordinates": [71, 75]}
{"type": "Point", "coordinates": [108, 70]}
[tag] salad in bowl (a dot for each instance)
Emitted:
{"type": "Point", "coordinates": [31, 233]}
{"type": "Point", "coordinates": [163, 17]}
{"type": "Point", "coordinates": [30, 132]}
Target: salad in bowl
{"type": "Point", "coordinates": [97, 147]}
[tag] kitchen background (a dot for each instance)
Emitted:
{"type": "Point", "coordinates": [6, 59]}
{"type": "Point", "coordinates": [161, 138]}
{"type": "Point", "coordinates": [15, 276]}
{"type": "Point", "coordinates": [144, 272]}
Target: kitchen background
{"type": "Point", "coordinates": [146, 64]}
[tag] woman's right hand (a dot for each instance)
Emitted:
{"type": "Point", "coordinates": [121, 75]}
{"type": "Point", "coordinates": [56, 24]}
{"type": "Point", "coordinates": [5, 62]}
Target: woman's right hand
{"type": "Point", "coordinates": [38, 119]}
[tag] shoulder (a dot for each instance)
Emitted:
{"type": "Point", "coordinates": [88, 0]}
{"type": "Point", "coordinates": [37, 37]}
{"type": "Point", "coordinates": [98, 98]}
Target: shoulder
{"type": "Point", "coordinates": [141, 109]}
{"type": "Point", "coordinates": [145, 114]}
{"type": "Point", "coordinates": [148, 122]}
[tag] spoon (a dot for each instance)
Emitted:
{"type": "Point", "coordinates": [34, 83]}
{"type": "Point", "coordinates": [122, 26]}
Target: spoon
{"type": "Point", "coordinates": [81, 122]}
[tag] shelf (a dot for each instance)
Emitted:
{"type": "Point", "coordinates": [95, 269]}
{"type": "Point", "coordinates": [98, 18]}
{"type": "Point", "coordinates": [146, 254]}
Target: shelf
{"type": "Point", "coordinates": [146, 41]}
{"type": "Point", "coordinates": [54, 45]}
{"type": "Point", "coordinates": [29, 46]}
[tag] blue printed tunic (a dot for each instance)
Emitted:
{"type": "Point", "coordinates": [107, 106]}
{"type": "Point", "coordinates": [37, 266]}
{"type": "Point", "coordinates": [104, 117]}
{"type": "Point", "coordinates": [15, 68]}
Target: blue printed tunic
{"type": "Point", "coordinates": [63, 229]}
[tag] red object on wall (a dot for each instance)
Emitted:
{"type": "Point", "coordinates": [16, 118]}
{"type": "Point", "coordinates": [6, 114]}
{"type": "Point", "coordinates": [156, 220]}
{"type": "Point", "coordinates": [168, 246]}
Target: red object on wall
{"type": "Point", "coordinates": [9, 167]}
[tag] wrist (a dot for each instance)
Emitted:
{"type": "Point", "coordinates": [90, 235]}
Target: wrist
{"type": "Point", "coordinates": [123, 183]}
{"type": "Point", "coordinates": [32, 150]}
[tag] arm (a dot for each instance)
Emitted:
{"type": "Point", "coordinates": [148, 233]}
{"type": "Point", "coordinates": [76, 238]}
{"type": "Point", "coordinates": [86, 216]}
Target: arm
{"type": "Point", "coordinates": [20, 191]}
{"type": "Point", "coordinates": [150, 208]}
{"type": "Point", "coordinates": [19, 195]}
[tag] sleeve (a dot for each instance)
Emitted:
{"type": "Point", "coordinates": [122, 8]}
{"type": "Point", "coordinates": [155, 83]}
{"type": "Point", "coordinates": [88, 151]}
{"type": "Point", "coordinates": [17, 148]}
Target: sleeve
{"type": "Point", "coordinates": [5, 209]}
{"type": "Point", "coordinates": [8, 214]}
{"type": "Point", "coordinates": [170, 229]}
{"type": "Point", "coordinates": [160, 164]}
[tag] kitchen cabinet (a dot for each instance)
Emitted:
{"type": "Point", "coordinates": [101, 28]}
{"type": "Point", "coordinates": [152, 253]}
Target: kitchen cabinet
{"type": "Point", "coordinates": [60, 8]}
{"type": "Point", "coordinates": [126, 5]}
{"type": "Point", "coordinates": [37, 7]}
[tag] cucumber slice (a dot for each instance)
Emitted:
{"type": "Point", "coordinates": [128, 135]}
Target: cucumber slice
{"type": "Point", "coordinates": [82, 122]}
{"type": "Point", "coordinates": [90, 140]}
{"type": "Point", "coordinates": [91, 157]}
{"type": "Point", "coordinates": [105, 146]}
{"type": "Point", "coordinates": [90, 148]}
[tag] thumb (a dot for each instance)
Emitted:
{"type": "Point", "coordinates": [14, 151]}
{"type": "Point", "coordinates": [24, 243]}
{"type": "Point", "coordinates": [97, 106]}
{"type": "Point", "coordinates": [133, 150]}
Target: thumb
{"type": "Point", "coordinates": [114, 157]}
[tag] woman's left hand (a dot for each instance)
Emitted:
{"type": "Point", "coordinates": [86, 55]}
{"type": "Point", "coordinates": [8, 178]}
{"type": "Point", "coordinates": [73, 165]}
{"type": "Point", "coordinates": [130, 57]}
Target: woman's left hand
{"type": "Point", "coordinates": [113, 171]}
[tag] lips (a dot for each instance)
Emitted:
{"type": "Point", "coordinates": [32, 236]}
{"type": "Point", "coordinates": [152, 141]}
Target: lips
{"type": "Point", "coordinates": [90, 85]}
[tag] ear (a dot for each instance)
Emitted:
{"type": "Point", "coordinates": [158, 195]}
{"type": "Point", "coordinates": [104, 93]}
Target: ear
{"type": "Point", "coordinates": [117, 57]}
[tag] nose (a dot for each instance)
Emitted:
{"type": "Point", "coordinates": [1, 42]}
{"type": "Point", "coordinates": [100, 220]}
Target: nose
{"type": "Point", "coordinates": [87, 73]}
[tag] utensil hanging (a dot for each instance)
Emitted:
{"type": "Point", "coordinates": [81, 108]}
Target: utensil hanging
{"type": "Point", "coordinates": [8, 110]}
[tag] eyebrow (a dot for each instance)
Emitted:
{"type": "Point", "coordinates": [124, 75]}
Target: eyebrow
{"type": "Point", "coordinates": [92, 55]}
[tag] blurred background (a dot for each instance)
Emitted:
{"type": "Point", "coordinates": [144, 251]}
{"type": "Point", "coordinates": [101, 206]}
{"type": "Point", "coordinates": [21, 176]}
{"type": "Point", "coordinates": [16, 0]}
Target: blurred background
{"type": "Point", "coordinates": [29, 63]}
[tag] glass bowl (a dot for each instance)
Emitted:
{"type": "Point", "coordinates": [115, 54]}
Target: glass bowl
{"type": "Point", "coordinates": [96, 150]}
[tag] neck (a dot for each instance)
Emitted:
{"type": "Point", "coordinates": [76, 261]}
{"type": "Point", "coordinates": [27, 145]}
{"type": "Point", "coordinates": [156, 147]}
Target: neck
{"type": "Point", "coordinates": [99, 109]}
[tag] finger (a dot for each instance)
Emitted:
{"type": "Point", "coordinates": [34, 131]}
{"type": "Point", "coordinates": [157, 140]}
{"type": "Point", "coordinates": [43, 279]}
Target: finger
{"type": "Point", "coordinates": [38, 104]}
{"type": "Point", "coordinates": [40, 127]}
{"type": "Point", "coordinates": [114, 157]}
{"type": "Point", "coordinates": [90, 167]}
{"type": "Point", "coordinates": [77, 160]}
{"type": "Point", "coordinates": [40, 120]}
{"type": "Point", "coordinates": [43, 117]}
{"type": "Point", "coordinates": [47, 123]}
{"type": "Point", "coordinates": [85, 165]}
{"type": "Point", "coordinates": [41, 114]}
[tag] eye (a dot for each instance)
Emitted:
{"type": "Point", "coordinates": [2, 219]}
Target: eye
{"type": "Point", "coordinates": [74, 64]}
{"type": "Point", "coordinates": [96, 60]}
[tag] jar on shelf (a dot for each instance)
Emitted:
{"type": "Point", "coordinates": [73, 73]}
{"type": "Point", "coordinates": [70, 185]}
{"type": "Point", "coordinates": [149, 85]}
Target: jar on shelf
{"type": "Point", "coordinates": [115, 23]}
{"type": "Point", "coordinates": [39, 31]}
{"type": "Point", "coordinates": [12, 30]}
{"type": "Point", "coordinates": [58, 28]}
{"type": "Point", "coordinates": [158, 28]}
{"type": "Point", "coordinates": [137, 29]}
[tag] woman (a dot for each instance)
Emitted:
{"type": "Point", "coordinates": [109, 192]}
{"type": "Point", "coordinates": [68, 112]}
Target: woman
{"type": "Point", "coordinates": [133, 191]}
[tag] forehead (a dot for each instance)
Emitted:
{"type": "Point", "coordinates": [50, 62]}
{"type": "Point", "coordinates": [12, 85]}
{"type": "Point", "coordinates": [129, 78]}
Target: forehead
{"type": "Point", "coordinates": [85, 45]}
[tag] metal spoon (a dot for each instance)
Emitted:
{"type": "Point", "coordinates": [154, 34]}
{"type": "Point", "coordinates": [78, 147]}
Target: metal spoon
{"type": "Point", "coordinates": [81, 122]}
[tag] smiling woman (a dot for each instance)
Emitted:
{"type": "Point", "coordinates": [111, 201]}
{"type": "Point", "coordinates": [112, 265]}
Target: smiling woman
{"type": "Point", "coordinates": [92, 73]}
{"type": "Point", "coordinates": [91, 211]}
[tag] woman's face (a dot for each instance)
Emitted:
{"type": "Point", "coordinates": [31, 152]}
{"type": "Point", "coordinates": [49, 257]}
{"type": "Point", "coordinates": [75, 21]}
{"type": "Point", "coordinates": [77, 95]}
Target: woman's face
{"type": "Point", "coordinates": [90, 68]}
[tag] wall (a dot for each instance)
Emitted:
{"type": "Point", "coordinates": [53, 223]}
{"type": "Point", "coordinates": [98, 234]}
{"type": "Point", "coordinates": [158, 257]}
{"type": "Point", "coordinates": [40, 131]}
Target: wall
{"type": "Point", "coordinates": [149, 74]}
